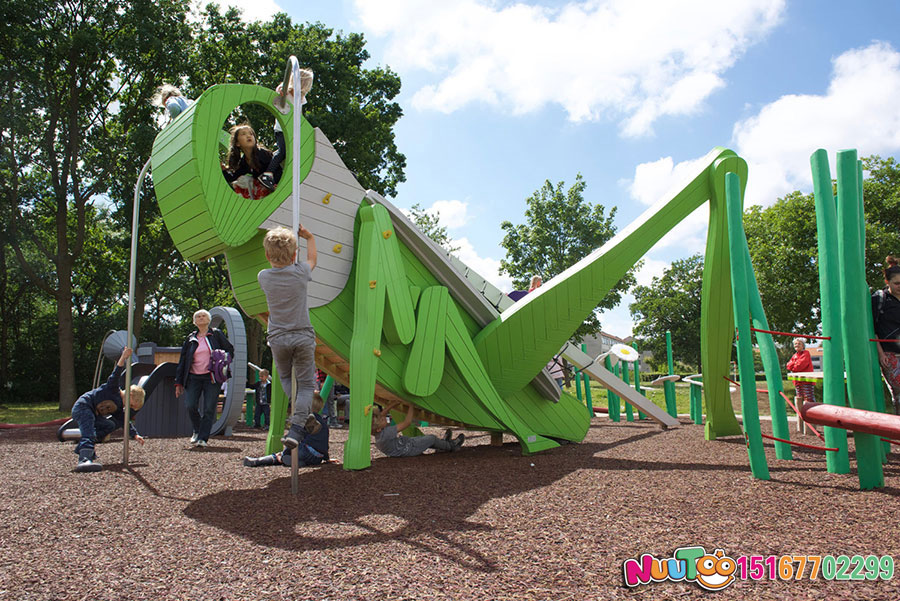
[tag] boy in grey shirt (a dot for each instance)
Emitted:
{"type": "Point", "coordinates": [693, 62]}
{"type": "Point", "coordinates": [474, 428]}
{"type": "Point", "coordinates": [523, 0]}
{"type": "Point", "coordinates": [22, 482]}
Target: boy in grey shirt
{"type": "Point", "coordinates": [290, 333]}
{"type": "Point", "coordinates": [391, 443]}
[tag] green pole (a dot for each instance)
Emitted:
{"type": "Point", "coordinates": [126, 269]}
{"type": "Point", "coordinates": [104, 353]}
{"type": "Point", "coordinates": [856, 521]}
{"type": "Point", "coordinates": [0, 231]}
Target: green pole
{"type": "Point", "coordinates": [739, 295]}
{"type": "Point", "coordinates": [669, 387]}
{"type": "Point", "coordinates": [612, 399]}
{"type": "Point", "coordinates": [637, 377]}
{"type": "Point", "coordinates": [853, 317]}
{"type": "Point", "coordinates": [771, 364]}
{"type": "Point", "coordinates": [629, 411]}
{"type": "Point", "coordinates": [278, 413]}
{"type": "Point", "coordinates": [250, 404]}
{"type": "Point", "coordinates": [837, 462]}
{"type": "Point", "coordinates": [578, 384]}
{"type": "Point", "coordinates": [587, 387]}
{"type": "Point", "coordinates": [696, 404]}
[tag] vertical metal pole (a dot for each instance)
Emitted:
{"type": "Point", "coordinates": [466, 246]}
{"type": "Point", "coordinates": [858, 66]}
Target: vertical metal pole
{"type": "Point", "coordinates": [296, 137]}
{"type": "Point", "coordinates": [132, 275]}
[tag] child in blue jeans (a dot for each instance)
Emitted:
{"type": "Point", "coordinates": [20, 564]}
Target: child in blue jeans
{"type": "Point", "coordinates": [313, 451]}
{"type": "Point", "coordinates": [100, 402]}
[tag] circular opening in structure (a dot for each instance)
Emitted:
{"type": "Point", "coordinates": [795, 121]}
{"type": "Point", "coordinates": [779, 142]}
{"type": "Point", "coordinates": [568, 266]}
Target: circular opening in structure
{"type": "Point", "coordinates": [252, 150]}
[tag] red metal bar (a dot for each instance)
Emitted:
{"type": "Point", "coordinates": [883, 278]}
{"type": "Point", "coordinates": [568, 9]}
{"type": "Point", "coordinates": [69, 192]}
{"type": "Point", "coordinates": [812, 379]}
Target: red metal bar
{"type": "Point", "coordinates": [891, 441]}
{"type": "Point", "coordinates": [800, 416]}
{"type": "Point", "coordinates": [789, 334]}
{"type": "Point", "coordinates": [883, 340]}
{"type": "Point", "coordinates": [798, 444]}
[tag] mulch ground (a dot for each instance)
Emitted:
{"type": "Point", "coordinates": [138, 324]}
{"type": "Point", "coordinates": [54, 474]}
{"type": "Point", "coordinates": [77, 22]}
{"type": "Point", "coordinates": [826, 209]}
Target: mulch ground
{"type": "Point", "coordinates": [482, 523]}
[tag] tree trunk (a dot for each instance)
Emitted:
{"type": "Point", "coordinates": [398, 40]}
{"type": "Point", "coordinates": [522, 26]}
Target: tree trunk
{"type": "Point", "coordinates": [67, 393]}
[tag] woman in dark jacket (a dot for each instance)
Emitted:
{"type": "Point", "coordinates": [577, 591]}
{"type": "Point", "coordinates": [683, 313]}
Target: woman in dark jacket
{"type": "Point", "coordinates": [193, 378]}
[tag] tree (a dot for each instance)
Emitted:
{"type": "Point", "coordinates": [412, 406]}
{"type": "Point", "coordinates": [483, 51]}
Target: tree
{"type": "Point", "coordinates": [671, 302]}
{"type": "Point", "coordinates": [783, 248]}
{"type": "Point", "coordinates": [431, 227]}
{"type": "Point", "coordinates": [67, 69]}
{"type": "Point", "coordinates": [560, 229]}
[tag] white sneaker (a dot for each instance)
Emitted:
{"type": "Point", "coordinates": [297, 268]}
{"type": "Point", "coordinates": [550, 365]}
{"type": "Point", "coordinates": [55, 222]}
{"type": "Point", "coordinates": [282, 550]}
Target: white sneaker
{"type": "Point", "coordinates": [194, 438]}
{"type": "Point", "coordinates": [202, 444]}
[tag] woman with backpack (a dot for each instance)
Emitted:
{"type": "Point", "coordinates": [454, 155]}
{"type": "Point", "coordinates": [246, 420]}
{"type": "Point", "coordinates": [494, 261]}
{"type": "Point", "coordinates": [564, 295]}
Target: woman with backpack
{"type": "Point", "coordinates": [886, 313]}
{"type": "Point", "coordinates": [196, 375]}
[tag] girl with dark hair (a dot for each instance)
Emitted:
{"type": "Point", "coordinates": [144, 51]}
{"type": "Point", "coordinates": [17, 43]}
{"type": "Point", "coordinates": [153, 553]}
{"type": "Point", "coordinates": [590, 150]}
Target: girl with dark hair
{"type": "Point", "coordinates": [247, 160]}
{"type": "Point", "coordinates": [886, 313]}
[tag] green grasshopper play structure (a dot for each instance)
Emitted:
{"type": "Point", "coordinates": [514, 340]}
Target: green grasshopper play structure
{"type": "Point", "coordinates": [396, 317]}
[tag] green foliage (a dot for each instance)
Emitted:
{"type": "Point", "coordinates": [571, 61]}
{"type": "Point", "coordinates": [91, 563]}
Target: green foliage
{"type": "Point", "coordinates": [560, 229]}
{"type": "Point", "coordinates": [76, 126]}
{"type": "Point", "coordinates": [671, 302]}
{"type": "Point", "coordinates": [431, 227]}
{"type": "Point", "coordinates": [783, 248]}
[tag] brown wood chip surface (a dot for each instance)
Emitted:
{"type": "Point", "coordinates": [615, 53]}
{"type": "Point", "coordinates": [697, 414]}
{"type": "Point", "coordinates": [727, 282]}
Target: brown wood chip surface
{"type": "Point", "coordinates": [482, 523]}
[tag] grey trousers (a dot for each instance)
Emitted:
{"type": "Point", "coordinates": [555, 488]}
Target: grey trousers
{"type": "Point", "coordinates": [295, 352]}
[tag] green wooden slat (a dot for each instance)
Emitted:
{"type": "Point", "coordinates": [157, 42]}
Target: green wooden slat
{"type": "Point", "coordinates": [425, 368]}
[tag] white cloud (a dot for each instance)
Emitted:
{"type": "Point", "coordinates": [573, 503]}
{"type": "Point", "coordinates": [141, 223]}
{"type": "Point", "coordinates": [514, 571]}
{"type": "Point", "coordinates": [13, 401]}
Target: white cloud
{"type": "Point", "coordinates": [859, 110]}
{"type": "Point", "coordinates": [631, 60]}
{"type": "Point", "coordinates": [251, 10]}
{"type": "Point", "coordinates": [617, 321]}
{"type": "Point", "coordinates": [486, 267]}
{"type": "Point", "coordinates": [451, 213]}
{"type": "Point", "coordinates": [652, 268]}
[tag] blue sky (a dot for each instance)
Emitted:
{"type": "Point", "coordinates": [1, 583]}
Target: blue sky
{"type": "Point", "coordinates": [499, 96]}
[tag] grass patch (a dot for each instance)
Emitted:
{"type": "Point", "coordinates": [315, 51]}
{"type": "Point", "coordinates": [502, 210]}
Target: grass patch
{"type": "Point", "coordinates": [30, 413]}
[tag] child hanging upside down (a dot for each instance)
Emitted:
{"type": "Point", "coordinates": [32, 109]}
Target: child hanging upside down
{"type": "Point", "coordinates": [393, 444]}
{"type": "Point", "coordinates": [247, 160]}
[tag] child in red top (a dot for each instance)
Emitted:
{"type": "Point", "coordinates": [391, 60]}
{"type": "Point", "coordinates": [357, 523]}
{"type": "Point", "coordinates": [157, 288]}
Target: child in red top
{"type": "Point", "coordinates": [800, 362]}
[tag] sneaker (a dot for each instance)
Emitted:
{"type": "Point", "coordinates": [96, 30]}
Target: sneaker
{"type": "Point", "coordinates": [202, 444]}
{"type": "Point", "coordinates": [292, 439]}
{"type": "Point", "coordinates": [249, 462]}
{"type": "Point", "coordinates": [86, 465]}
{"type": "Point", "coordinates": [459, 442]}
{"type": "Point", "coordinates": [448, 434]}
{"type": "Point", "coordinates": [267, 181]}
{"type": "Point", "coordinates": [194, 438]}
{"type": "Point", "coordinates": [312, 424]}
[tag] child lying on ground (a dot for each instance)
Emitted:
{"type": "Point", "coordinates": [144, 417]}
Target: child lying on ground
{"type": "Point", "coordinates": [312, 451]}
{"type": "Point", "coordinates": [393, 444]}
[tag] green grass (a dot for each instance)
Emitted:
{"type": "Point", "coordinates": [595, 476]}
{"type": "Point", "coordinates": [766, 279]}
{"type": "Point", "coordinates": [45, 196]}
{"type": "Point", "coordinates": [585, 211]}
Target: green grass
{"type": "Point", "coordinates": [30, 413]}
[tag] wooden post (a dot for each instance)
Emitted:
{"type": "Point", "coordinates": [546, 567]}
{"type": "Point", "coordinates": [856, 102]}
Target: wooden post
{"type": "Point", "coordinates": [496, 439]}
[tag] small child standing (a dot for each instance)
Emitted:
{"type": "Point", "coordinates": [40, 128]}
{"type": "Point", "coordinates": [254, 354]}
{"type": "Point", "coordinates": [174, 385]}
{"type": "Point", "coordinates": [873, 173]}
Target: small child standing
{"type": "Point", "coordinates": [263, 390]}
{"type": "Point", "coordinates": [389, 441]}
{"type": "Point", "coordinates": [170, 98]}
{"type": "Point", "coordinates": [103, 401]}
{"type": "Point", "coordinates": [313, 451]}
{"type": "Point", "coordinates": [290, 333]}
{"type": "Point", "coordinates": [273, 172]}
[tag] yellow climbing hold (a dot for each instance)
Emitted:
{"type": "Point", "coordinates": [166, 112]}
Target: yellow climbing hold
{"type": "Point", "coordinates": [372, 283]}
{"type": "Point", "coordinates": [368, 409]}
{"type": "Point", "coordinates": [338, 247]}
{"type": "Point", "coordinates": [377, 352]}
{"type": "Point", "coordinates": [387, 234]}
{"type": "Point", "coordinates": [326, 199]}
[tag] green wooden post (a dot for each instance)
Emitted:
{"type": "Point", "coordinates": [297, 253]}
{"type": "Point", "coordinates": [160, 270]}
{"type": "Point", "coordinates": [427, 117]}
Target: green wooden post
{"type": "Point", "coordinates": [668, 386]}
{"type": "Point", "coordinates": [837, 462]}
{"type": "Point", "coordinates": [250, 404]}
{"type": "Point", "coordinates": [853, 316]}
{"type": "Point", "coordinates": [587, 387]}
{"type": "Point", "coordinates": [614, 405]}
{"type": "Point", "coordinates": [622, 367]}
{"type": "Point", "coordinates": [637, 377]}
{"type": "Point", "coordinates": [278, 414]}
{"type": "Point", "coordinates": [739, 294]}
{"type": "Point", "coordinates": [696, 404]}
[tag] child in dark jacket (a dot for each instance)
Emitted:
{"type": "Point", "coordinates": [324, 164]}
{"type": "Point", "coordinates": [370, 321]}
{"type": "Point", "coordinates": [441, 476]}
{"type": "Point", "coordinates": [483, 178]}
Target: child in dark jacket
{"type": "Point", "coordinates": [105, 400]}
{"type": "Point", "coordinates": [312, 451]}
